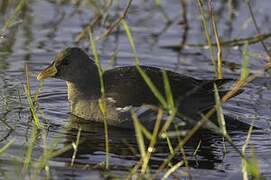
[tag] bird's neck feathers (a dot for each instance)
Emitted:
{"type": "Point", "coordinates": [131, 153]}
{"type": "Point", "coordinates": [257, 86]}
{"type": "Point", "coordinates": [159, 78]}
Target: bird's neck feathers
{"type": "Point", "coordinates": [85, 83]}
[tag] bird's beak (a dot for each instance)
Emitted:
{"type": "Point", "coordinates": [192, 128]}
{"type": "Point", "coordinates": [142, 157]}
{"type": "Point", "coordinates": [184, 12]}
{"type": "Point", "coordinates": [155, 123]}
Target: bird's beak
{"type": "Point", "coordinates": [48, 72]}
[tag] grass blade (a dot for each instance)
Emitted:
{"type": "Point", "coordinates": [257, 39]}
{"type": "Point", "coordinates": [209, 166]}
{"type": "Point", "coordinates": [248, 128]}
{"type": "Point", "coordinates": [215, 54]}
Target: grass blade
{"type": "Point", "coordinates": [111, 59]}
{"type": "Point", "coordinates": [245, 69]}
{"type": "Point", "coordinates": [153, 140]}
{"type": "Point", "coordinates": [208, 37]}
{"type": "Point", "coordinates": [34, 114]}
{"type": "Point", "coordinates": [6, 101]}
{"type": "Point", "coordinates": [168, 90]}
{"type": "Point", "coordinates": [172, 169]}
{"type": "Point", "coordinates": [139, 136]}
{"type": "Point", "coordinates": [75, 146]}
{"type": "Point", "coordinates": [220, 116]}
{"type": "Point", "coordinates": [102, 102]}
{"type": "Point", "coordinates": [6, 146]}
{"type": "Point", "coordinates": [244, 162]}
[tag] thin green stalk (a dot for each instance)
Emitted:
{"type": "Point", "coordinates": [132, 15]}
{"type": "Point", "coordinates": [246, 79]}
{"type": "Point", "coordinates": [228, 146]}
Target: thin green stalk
{"type": "Point", "coordinates": [139, 136]}
{"type": "Point", "coordinates": [145, 131]}
{"type": "Point", "coordinates": [6, 146]}
{"type": "Point", "coordinates": [38, 91]}
{"type": "Point", "coordinates": [111, 60]}
{"type": "Point", "coordinates": [6, 101]}
{"type": "Point", "coordinates": [75, 146]}
{"type": "Point", "coordinates": [208, 37]}
{"type": "Point", "coordinates": [196, 150]}
{"type": "Point", "coordinates": [168, 90]}
{"type": "Point", "coordinates": [102, 102]}
{"type": "Point", "coordinates": [153, 140]}
{"type": "Point", "coordinates": [171, 149]}
{"type": "Point", "coordinates": [245, 69]}
{"type": "Point", "coordinates": [27, 79]}
{"type": "Point", "coordinates": [173, 134]}
{"type": "Point", "coordinates": [28, 94]}
{"type": "Point", "coordinates": [97, 61]}
{"type": "Point", "coordinates": [244, 163]}
{"type": "Point", "coordinates": [186, 163]}
{"type": "Point", "coordinates": [254, 167]}
{"type": "Point", "coordinates": [45, 151]}
{"type": "Point", "coordinates": [34, 113]}
{"type": "Point", "coordinates": [172, 169]}
{"type": "Point", "coordinates": [164, 133]}
{"type": "Point", "coordinates": [168, 121]}
{"type": "Point", "coordinates": [43, 115]}
{"type": "Point", "coordinates": [220, 116]}
{"type": "Point", "coordinates": [219, 51]}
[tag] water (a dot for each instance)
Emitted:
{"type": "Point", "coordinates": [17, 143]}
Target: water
{"type": "Point", "coordinates": [43, 28]}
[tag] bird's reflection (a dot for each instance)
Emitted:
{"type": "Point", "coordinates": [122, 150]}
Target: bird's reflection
{"type": "Point", "coordinates": [123, 146]}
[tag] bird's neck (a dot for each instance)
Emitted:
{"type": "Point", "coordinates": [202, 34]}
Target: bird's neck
{"type": "Point", "coordinates": [84, 85]}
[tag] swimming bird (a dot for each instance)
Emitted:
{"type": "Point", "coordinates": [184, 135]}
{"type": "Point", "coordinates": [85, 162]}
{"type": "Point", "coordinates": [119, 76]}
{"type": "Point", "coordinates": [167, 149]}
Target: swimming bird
{"type": "Point", "coordinates": [125, 88]}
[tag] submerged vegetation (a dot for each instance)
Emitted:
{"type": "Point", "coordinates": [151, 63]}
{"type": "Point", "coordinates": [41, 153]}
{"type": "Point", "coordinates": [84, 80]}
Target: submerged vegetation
{"type": "Point", "coordinates": [147, 141]}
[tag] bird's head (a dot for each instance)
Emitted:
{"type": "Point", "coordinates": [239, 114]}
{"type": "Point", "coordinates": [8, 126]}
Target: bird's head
{"type": "Point", "coordinates": [68, 65]}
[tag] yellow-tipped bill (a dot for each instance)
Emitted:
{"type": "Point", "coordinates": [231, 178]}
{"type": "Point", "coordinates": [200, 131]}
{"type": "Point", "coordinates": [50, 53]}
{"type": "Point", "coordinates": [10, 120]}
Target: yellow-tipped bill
{"type": "Point", "coordinates": [48, 72]}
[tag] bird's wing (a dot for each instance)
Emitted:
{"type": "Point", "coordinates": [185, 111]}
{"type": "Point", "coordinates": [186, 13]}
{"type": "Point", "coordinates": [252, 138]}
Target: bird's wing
{"type": "Point", "coordinates": [127, 87]}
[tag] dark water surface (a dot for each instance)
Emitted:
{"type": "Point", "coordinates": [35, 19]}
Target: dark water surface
{"type": "Point", "coordinates": [45, 27]}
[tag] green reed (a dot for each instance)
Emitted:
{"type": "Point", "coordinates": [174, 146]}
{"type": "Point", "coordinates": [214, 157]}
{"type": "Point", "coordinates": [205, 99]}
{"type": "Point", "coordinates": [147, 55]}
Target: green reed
{"type": "Point", "coordinates": [220, 116]}
{"type": "Point", "coordinates": [102, 100]}
{"type": "Point", "coordinates": [139, 137]}
{"type": "Point", "coordinates": [6, 146]}
{"type": "Point", "coordinates": [208, 37]}
{"type": "Point", "coordinates": [6, 101]}
{"type": "Point", "coordinates": [75, 146]}
{"type": "Point", "coordinates": [30, 101]}
{"type": "Point", "coordinates": [245, 69]}
{"type": "Point", "coordinates": [113, 57]}
{"type": "Point", "coordinates": [153, 141]}
{"type": "Point", "coordinates": [197, 148]}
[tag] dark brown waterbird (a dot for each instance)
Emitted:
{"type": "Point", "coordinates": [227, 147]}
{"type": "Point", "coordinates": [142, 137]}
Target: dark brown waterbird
{"type": "Point", "coordinates": [125, 88]}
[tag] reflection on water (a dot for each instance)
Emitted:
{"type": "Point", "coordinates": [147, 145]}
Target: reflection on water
{"type": "Point", "coordinates": [42, 28]}
{"type": "Point", "coordinates": [124, 151]}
